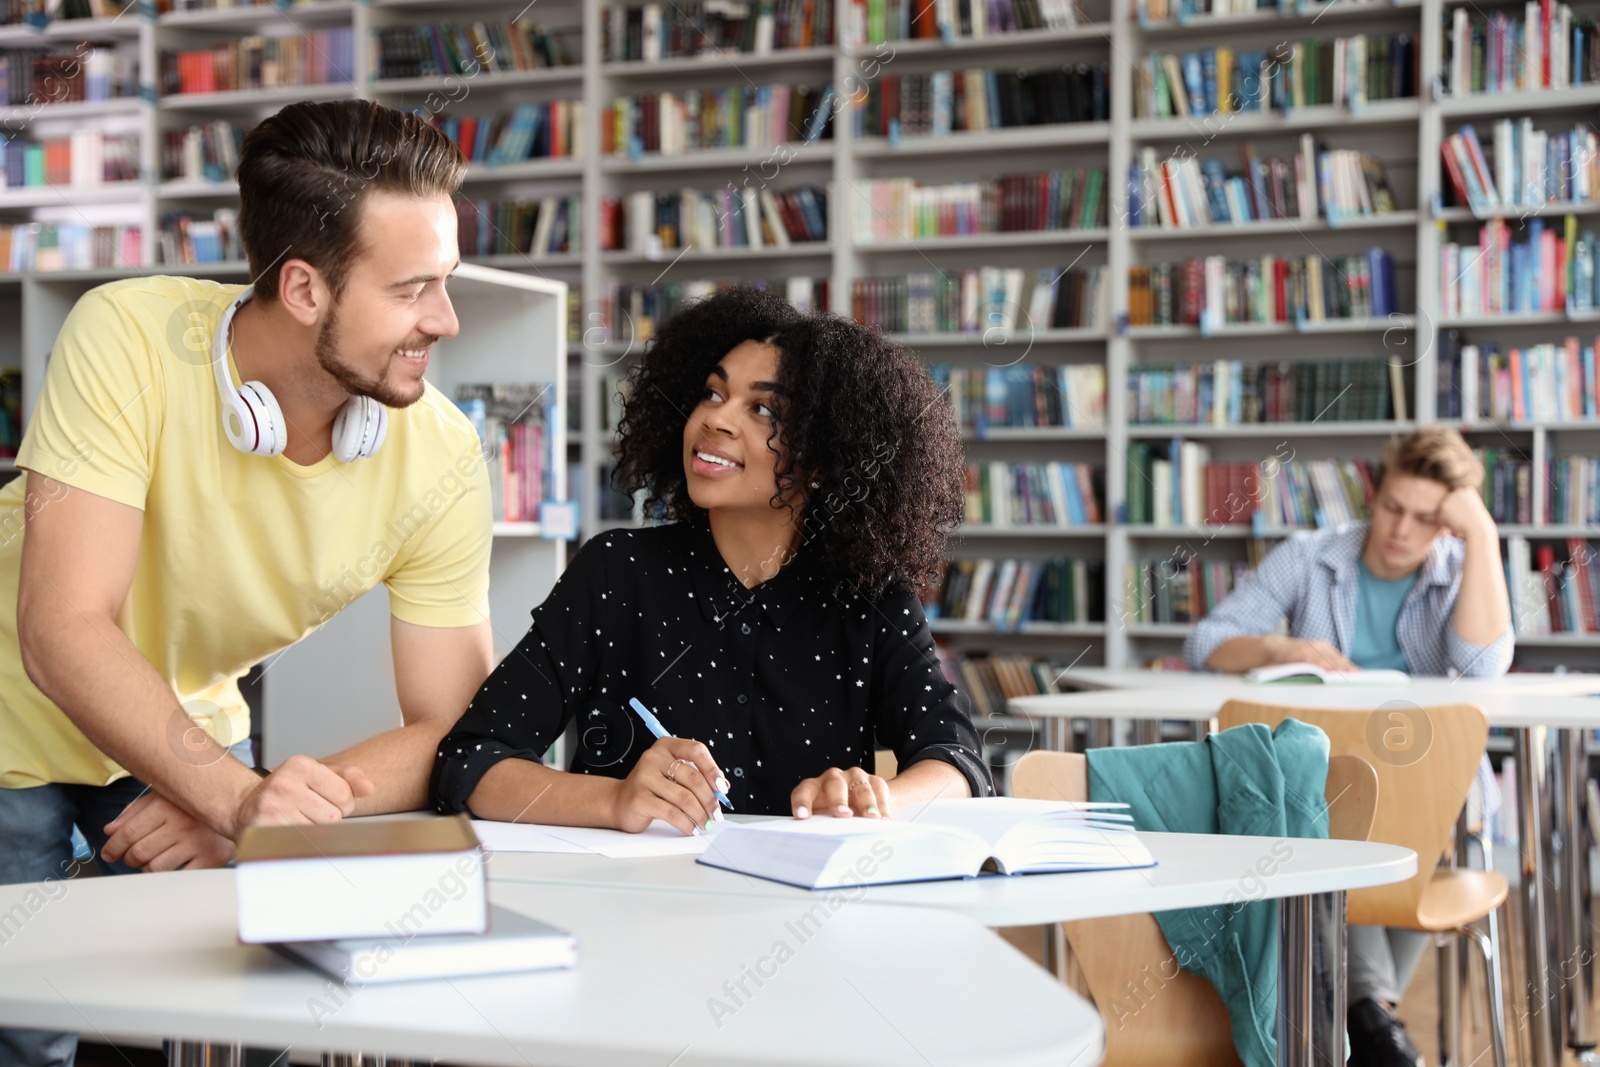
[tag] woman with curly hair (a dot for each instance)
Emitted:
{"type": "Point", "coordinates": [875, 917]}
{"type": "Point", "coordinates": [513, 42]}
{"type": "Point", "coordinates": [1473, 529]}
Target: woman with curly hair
{"type": "Point", "coordinates": [810, 468]}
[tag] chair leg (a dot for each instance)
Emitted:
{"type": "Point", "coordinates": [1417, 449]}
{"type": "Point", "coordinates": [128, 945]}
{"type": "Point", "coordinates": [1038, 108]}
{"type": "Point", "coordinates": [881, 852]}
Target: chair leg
{"type": "Point", "coordinates": [1448, 987]}
{"type": "Point", "coordinates": [1497, 1008]}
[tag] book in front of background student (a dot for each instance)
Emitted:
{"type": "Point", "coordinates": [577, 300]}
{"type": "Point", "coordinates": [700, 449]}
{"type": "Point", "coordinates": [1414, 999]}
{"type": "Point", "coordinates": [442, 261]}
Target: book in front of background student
{"type": "Point", "coordinates": [936, 840]}
{"type": "Point", "coordinates": [360, 878]}
{"type": "Point", "coordinates": [1290, 673]}
{"type": "Point", "coordinates": [513, 942]}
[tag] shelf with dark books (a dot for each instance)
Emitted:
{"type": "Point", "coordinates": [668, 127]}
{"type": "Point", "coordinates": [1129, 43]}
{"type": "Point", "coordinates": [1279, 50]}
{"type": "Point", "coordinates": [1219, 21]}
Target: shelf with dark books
{"type": "Point", "coordinates": [990, 679]}
{"type": "Point", "coordinates": [990, 303]}
{"type": "Point", "coordinates": [103, 80]}
{"type": "Point", "coordinates": [942, 103]}
{"type": "Point", "coordinates": [1232, 395]}
{"type": "Point", "coordinates": [1046, 495]}
{"type": "Point", "coordinates": [1026, 399]}
{"type": "Point", "coordinates": [536, 131]}
{"type": "Point", "coordinates": [903, 212]}
{"type": "Point", "coordinates": [548, 227]}
{"type": "Point", "coordinates": [1350, 73]}
{"type": "Point", "coordinates": [432, 55]}
{"type": "Point", "coordinates": [655, 34]}
{"type": "Point", "coordinates": [1311, 189]}
{"type": "Point", "coordinates": [1215, 292]}
{"type": "Point", "coordinates": [1006, 593]}
{"type": "Point", "coordinates": [1162, 597]}
{"type": "Point", "coordinates": [748, 117]}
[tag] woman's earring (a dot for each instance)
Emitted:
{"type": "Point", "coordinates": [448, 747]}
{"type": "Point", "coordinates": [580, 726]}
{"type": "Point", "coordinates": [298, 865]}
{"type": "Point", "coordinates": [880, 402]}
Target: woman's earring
{"type": "Point", "coordinates": [815, 485]}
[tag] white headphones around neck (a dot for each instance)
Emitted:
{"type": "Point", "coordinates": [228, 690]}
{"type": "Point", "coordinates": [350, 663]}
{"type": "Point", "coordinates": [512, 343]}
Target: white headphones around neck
{"type": "Point", "coordinates": [255, 425]}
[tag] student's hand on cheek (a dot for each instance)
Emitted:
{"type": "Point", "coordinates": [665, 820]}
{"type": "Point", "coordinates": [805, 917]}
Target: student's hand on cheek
{"type": "Point", "coordinates": [302, 791]}
{"type": "Point", "coordinates": [154, 834]}
{"type": "Point", "coordinates": [842, 793]}
{"type": "Point", "coordinates": [672, 782]}
{"type": "Point", "coordinates": [1463, 514]}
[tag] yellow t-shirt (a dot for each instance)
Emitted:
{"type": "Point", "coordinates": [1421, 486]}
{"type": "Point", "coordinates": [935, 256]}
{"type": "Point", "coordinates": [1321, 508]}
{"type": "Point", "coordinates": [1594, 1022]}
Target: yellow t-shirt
{"type": "Point", "coordinates": [240, 556]}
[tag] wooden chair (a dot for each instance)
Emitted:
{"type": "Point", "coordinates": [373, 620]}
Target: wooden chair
{"type": "Point", "coordinates": [885, 764]}
{"type": "Point", "coordinates": [1125, 960]}
{"type": "Point", "coordinates": [1425, 759]}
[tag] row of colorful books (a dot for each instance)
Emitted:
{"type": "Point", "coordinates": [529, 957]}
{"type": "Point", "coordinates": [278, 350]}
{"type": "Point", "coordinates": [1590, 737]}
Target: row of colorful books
{"type": "Point", "coordinates": [991, 302]}
{"type": "Point", "coordinates": [549, 130]}
{"type": "Point", "coordinates": [1024, 396]}
{"type": "Point", "coordinates": [1178, 485]}
{"type": "Point", "coordinates": [1344, 71]}
{"type": "Point", "coordinates": [1528, 168]}
{"type": "Point", "coordinates": [897, 209]}
{"type": "Point", "coordinates": [550, 226]}
{"type": "Point", "coordinates": [1034, 494]}
{"type": "Point", "coordinates": [310, 57]}
{"type": "Point", "coordinates": [695, 120]}
{"type": "Point", "coordinates": [1174, 591]}
{"type": "Point", "coordinates": [1549, 270]}
{"type": "Point", "coordinates": [961, 101]}
{"type": "Point", "coordinates": [730, 217]}
{"type": "Point", "coordinates": [1538, 383]}
{"type": "Point", "coordinates": [37, 247]}
{"type": "Point", "coordinates": [186, 239]}
{"type": "Point", "coordinates": [1230, 392]}
{"type": "Point", "coordinates": [1545, 47]}
{"type": "Point", "coordinates": [470, 49]}
{"type": "Point", "coordinates": [208, 152]}
{"type": "Point", "coordinates": [38, 77]}
{"type": "Point", "coordinates": [656, 31]}
{"type": "Point", "coordinates": [85, 159]}
{"type": "Point", "coordinates": [1571, 487]}
{"type": "Point", "coordinates": [1215, 291]}
{"type": "Point", "coordinates": [1185, 192]}
{"type": "Point", "coordinates": [1006, 592]}
{"type": "Point", "coordinates": [879, 21]}
{"type": "Point", "coordinates": [989, 679]}
{"type": "Point", "coordinates": [629, 313]}
{"type": "Point", "coordinates": [518, 426]}
{"type": "Point", "coordinates": [1550, 594]}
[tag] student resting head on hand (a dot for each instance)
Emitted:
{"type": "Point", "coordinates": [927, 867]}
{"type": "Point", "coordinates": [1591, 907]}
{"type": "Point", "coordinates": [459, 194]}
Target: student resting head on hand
{"type": "Point", "coordinates": [809, 470]}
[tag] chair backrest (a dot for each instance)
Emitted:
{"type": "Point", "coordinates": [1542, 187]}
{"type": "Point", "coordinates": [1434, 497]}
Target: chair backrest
{"type": "Point", "coordinates": [1154, 1012]}
{"type": "Point", "coordinates": [884, 763]}
{"type": "Point", "coordinates": [1425, 759]}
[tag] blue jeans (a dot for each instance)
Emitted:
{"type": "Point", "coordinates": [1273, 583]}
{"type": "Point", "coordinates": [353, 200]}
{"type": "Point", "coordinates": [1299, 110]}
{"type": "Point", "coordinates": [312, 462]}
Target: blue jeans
{"type": "Point", "coordinates": [36, 846]}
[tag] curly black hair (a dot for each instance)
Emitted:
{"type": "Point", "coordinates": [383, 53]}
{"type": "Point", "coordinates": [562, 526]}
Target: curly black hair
{"type": "Point", "coordinates": [857, 414]}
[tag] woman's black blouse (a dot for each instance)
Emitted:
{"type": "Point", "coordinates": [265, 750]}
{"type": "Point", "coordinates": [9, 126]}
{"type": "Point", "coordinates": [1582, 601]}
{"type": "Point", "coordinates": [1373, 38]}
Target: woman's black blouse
{"type": "Point", "coordinates": [781, 681]}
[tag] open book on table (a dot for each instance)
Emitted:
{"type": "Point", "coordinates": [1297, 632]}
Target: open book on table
{"type": "Point", "coordinates": [1310, 672]}
{"type": "Point", "coordinates": [940, 839]}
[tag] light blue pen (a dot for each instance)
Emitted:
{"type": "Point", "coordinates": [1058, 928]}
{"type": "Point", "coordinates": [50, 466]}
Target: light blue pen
{"type": "Point", "coordinates": [653, 724]}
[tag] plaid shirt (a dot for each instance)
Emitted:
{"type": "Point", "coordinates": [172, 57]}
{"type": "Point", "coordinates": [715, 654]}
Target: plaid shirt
{"type": "Point", "coordinates": [1312, 579]}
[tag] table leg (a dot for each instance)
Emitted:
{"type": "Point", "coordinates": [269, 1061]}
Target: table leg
{"type": "Point", "coordinates": [1543, 1012]}
{"type": "Point", "coordinates": [1576, 940]}
{"type": "Point", "coordinates": [1296, 1041]}
{"type": "Point", "coordinates": [1147, 731]}
{"type": "Point", "coordinates": [1330, 993]}
{"type": "Point", "coordinates": [181, 1053]}
{"type": "Point", "coordinates": [1101, 733]}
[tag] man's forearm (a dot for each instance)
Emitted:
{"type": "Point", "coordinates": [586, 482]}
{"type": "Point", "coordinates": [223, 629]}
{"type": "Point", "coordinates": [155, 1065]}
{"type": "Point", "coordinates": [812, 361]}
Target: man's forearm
{"type": "Point", "coordinates": [1483, 608]}
{"type": "Point", "coordinates": [1239, 654]}
{"type": "Point", "coordinates": [101, 681]}
{"type": "Point", "coordinates": [398, 763]}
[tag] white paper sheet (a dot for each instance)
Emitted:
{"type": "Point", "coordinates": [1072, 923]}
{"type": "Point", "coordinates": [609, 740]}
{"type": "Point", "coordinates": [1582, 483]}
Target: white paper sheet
{"type": "Point", "coordinates": [660, 839]}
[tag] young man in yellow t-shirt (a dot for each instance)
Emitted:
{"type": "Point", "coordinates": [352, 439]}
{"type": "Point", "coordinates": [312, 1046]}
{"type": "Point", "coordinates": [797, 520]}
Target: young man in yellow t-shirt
{"type": "Point", "coordinates": [177, 525]}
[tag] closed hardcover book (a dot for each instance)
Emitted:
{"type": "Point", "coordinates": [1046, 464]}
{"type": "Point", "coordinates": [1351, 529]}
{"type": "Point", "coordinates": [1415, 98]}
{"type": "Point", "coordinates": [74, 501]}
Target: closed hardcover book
{"type": "Point", "coordinates": [359, 879]}
{"type": "Point", "coordinates": [513, 942]}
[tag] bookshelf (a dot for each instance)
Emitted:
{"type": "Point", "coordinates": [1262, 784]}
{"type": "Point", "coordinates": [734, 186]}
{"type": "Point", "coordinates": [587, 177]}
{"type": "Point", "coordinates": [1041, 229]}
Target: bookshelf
{"type": "Point", "coordinates": [1405, 133]}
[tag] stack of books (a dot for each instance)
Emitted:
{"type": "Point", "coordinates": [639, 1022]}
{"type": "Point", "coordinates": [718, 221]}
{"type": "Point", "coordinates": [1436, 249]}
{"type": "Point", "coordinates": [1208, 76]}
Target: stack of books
{"type": "Point", "coordinates": [518, 425]}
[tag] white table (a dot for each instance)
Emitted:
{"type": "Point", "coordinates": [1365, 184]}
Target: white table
{"type": "Point", "coordinates": [157, 955]}
{"type": "Point", "coordinates": [1546, 713]}
{"type": "Point", "coordinates": [1193, 870]}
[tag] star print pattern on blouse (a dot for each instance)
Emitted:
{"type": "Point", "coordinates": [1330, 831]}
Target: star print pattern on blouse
{"type": "Point", "coordinates": [779, 681]}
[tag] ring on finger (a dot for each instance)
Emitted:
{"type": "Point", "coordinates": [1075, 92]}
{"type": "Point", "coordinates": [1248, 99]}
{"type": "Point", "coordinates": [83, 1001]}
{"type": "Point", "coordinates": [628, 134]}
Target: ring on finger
{"type": "Point", "coordinates": [672, 770]}
{"type": "Point", "coordinates": [860, 783]}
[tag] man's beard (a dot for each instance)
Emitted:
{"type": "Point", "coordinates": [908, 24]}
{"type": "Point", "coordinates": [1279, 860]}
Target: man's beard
{"type": "Point", "coordinates": [378, 389]}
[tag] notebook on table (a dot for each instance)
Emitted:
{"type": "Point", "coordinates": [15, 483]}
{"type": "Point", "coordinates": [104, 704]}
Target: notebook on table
{"type": "Point", "coordinates": [1291, 673]}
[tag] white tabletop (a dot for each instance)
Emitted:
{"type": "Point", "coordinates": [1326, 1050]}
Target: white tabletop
{"type": "Point", "coordinates": [1192, 870]}
{"type": "Point", "coordinates": [1556, 700]}
{"type": "Point", "coordinates": [1568, 682]}
{"type": "Point", "coordinates": [157, 955]}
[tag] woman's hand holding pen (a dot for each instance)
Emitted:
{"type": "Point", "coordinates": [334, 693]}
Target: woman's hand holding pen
{"type": "Point", "coordinates": [841, 793]}
{"type": "Point", "coordinates": [674, 782]}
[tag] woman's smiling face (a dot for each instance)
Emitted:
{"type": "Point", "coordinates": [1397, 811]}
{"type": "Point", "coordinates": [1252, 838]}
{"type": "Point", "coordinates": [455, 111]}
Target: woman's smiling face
{"type": "Point", "coordinates": [727, 459]}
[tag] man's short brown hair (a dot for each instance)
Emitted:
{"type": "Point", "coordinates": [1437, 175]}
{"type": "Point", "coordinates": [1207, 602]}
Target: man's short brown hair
{"type": "Point", "coordinates": [1434, 452]}
{"type": "Point", "coordinates": [305, 172]}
